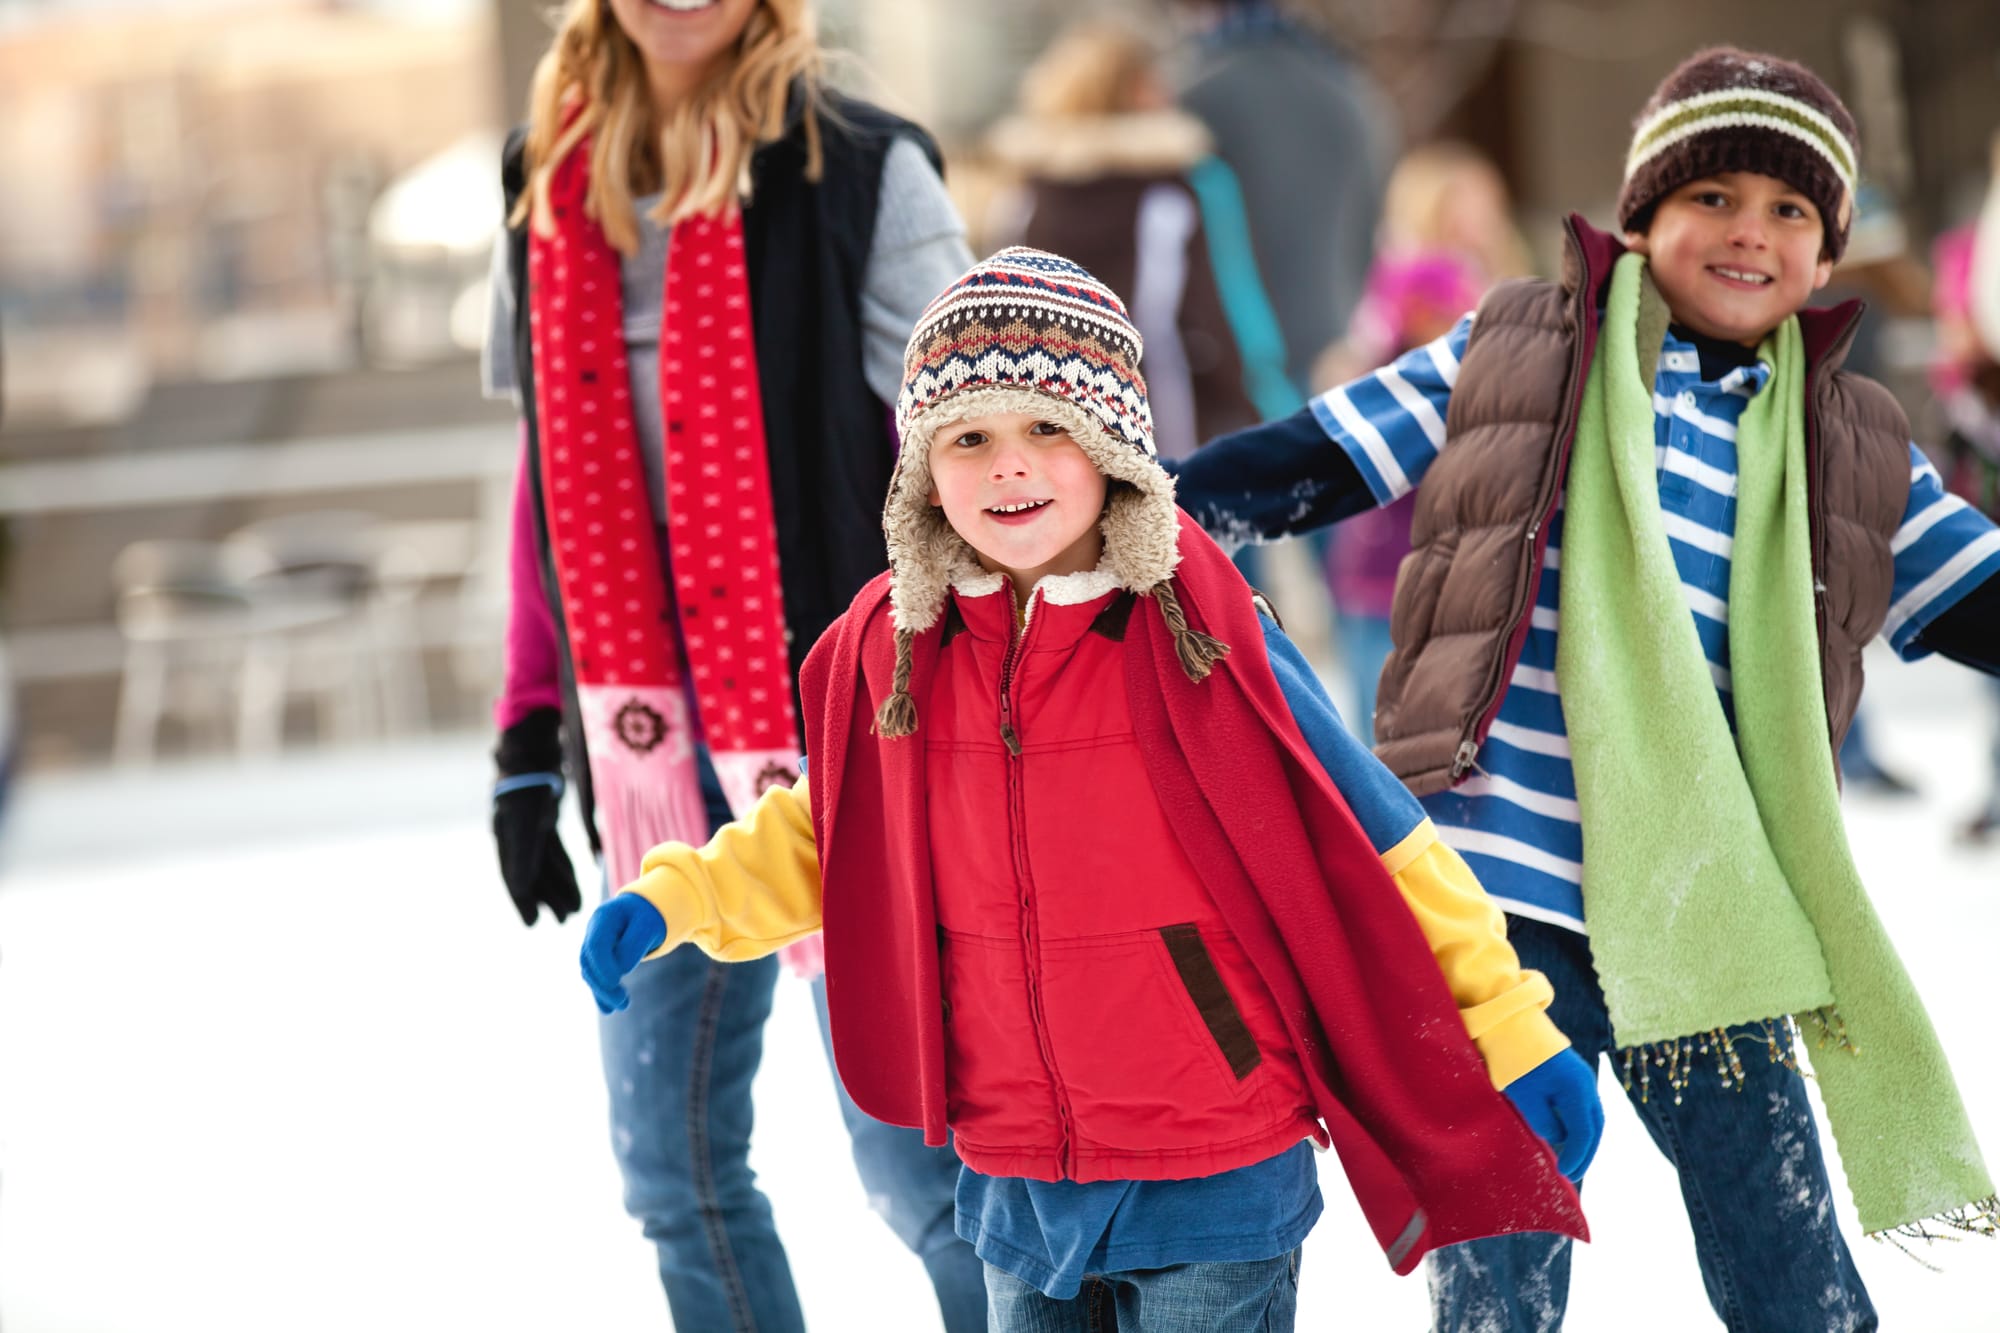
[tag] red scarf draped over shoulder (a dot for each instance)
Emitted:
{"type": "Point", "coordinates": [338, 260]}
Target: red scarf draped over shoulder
{"type": "Point", "coordinates": [1434, 1154]}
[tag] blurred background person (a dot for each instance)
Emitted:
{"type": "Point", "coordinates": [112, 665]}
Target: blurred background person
{"type": "Point", "coordinates": [1447, 234]}
{"type": "Point", "coordinates": [1311, 138]}
{"type": "Point", "coordinates": [711, 270]}
{"type": "Point", "coordinates": [1966, 378]}
{"type": "Point", "coordinates": [1106, 164]}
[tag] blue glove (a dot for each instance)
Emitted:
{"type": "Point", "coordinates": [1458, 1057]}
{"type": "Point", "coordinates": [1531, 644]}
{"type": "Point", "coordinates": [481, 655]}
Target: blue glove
{"type": "Point", "coordinates": [622, 930]}
{"type": "Point", "coordinates": [1558, 1099]}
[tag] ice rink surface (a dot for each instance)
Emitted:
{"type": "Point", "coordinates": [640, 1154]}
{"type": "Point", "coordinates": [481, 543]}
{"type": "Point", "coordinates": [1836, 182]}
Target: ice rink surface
{"type": "Point", "coordinates": [276, 1055]}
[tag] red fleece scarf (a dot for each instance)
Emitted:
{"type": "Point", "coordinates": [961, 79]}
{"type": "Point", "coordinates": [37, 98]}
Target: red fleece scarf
{"type": "Point", "coordinates": [1434, 1154]}
{"type": "Point", "coordinates": [632, 672]}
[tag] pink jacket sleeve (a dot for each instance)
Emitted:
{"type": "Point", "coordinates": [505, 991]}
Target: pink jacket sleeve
{"type": "Point", "coordinates": [529, 678]}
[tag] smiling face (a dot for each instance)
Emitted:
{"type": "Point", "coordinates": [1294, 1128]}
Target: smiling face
{"type": "Point", "coordinates": [682, 41]}
{"type": "Point", "coordinates": [1735, 254]}
{"type": "Point", "coordinates": [1021, 492]}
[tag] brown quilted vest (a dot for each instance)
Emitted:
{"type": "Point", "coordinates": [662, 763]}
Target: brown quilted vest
{"type": "Point", "coordinates": [1465, 592]}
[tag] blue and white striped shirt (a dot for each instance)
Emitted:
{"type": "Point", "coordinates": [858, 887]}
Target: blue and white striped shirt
{"type": "Point", "coordinates": [1515, 820]}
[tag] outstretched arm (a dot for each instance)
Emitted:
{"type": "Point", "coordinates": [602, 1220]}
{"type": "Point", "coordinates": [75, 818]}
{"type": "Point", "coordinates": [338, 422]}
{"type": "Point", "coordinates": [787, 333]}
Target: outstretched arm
{"type": "Point", "coordinates": [1500, 1001]}
{"type": "Point", "coordinates": [1269, 481]}
{"type": "Point", "coordinates": [751, 891]}
{"type": "Point", "coordinates": [1365, 444]}
{"type": "Point", "coordinates": [1947, 558]}
{"type": "Point", "coordinates": [1969, 631]}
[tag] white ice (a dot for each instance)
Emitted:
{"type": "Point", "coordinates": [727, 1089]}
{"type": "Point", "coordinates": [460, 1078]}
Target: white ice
{"type": "Point", "coordinates": [275, 1054]}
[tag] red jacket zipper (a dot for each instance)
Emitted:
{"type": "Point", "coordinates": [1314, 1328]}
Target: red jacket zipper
{"type": "Point", "coordinates": [1030, 940]}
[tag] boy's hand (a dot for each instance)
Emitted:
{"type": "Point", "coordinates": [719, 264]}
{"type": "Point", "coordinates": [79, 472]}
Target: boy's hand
{"type": "Point", "coordinates": [1558, 1099]}
{"type": "Point", "coordinates": [622, 931]}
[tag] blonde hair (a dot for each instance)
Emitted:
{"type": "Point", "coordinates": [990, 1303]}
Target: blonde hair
{"type": "Point", "coordinates": [1094, 68]}
{"type": "Point", "coordinates": [1418, 204]}
{"type": "Point", "coordinates": [592, 83]}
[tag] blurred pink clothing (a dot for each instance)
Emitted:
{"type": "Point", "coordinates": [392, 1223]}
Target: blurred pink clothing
{"type": "Point", "coordinates": [1410, 298]}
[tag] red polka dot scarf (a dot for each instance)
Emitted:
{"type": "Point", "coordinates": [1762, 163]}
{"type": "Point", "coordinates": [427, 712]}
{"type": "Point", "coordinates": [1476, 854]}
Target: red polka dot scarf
{"type": "Point", "coordinates": [636, 678]}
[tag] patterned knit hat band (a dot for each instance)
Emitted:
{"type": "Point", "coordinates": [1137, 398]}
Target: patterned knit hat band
{"type": "Point", "coordinates": [1728, 110]}
{"type": "Point", "coordinates": [1031, 320]}
{"type": "Point", "coordinates": [1026, 332]}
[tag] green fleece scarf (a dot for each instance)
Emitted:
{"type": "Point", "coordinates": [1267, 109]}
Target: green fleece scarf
{"type": "Point", "coordinates": [1717, 884]}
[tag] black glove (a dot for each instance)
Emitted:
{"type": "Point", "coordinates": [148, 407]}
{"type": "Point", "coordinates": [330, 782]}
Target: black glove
{"type": "Point", "coordinates": [526, 801]}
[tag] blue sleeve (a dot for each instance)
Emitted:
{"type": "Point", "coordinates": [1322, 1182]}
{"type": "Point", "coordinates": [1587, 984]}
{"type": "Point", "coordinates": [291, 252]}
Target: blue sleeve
{"type": "Point", "coordinates": [1944, 549]}
{"type": "Point", "coordinates": [1352, 449]}
{"type": "Point", "coordinates": [1381, 803]}
{"type": "Point", "coordinates": [1268, 481]}
{"type": "Point", "coordinates": [1391, 423]}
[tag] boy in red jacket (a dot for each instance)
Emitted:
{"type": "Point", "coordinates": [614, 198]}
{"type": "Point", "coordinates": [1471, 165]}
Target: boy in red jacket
{"type": "Point", "coordinates": [1108, 891]}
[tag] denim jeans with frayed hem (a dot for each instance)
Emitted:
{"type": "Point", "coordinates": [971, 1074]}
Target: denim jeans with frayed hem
{"type": "Point", "coordinates": [1752, 1179]}
{"type": "Point", "coordinates": [1260, 1296]}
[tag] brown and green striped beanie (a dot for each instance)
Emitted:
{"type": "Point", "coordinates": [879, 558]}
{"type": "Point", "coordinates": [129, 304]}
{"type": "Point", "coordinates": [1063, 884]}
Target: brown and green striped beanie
{"type": "Point", "coordinates": [1730, 110]}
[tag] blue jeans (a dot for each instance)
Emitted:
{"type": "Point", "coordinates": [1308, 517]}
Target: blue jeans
{"type": "Point", "coordinates": [913, 1188]}
{"type": "Point", "coordinates": [1751, 1173]}
{"type": "Point", "coordinates": [1261, 1296]}
{"type": "Point", "coordinates": [679, 1064]}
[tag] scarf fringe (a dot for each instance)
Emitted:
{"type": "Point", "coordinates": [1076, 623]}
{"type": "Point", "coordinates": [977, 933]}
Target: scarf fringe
{"type": "Point", "coordinates": [642, 811]}
{"type": "Point", "coordinates": [1683, 1058]}
{"type": "Point", "coordinates": [1980, 1218]}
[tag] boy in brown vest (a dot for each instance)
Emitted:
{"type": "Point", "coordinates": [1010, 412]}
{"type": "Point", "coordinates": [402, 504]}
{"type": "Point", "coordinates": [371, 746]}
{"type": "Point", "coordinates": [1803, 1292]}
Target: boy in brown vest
{"type": "Point", "coordinates": [1664, 443]}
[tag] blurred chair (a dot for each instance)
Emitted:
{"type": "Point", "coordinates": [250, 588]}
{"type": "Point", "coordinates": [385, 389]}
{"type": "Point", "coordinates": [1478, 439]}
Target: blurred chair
{"type": "Point", "coordinates": [412, 556]}
{"type": "Point", "coordinates": [323, 604]}
{"type": "Point", "coordinates": [185, 615]}
{"type": "Point", "coordinates": [311, 579]}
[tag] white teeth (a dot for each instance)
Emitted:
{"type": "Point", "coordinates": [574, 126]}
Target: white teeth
{"type": "Point", "coordinates": [1017, 508]}
{"type": "Point", "coordinates": [1759, 278]}
{"type": "Point", "coordinates": [682, 6]}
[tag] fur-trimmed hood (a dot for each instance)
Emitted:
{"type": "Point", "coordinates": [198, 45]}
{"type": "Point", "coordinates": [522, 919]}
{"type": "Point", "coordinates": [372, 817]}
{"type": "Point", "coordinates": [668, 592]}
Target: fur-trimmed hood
{"type": "Point", "coordinates": [1029, 332]}
{"type": "Point", "coordinates": [1076, 148]}
{"type": "Point", "coordinates": [1140, 523]}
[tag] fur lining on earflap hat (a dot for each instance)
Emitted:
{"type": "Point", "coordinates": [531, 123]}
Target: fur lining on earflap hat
{"type": "Point", "coordinates": [1030, 332]}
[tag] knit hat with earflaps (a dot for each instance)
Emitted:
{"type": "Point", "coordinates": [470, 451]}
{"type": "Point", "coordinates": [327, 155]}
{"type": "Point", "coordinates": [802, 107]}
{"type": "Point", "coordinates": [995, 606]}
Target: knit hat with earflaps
{"type": "Point", "coordinates": [1030, 332]}
{"type": "Point", "coordinates": [1730, 110]}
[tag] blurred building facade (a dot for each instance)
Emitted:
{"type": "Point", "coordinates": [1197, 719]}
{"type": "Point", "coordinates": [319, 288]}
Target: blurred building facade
{"type": "Point", "coordinates": [239, 241]}
{"type": "Point", "coordinates": [192, 190]}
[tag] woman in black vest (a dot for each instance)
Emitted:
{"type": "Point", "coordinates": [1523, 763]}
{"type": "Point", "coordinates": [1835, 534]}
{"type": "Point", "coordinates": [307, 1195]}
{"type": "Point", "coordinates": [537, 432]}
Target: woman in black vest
{"type": "Point", "coordinates": [711, 268]}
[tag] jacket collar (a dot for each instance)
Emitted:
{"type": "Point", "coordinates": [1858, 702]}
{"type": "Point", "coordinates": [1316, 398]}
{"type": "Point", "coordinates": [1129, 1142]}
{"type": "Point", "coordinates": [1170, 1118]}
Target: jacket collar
{"type": "Point", "coordinates": [1060, 611]}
